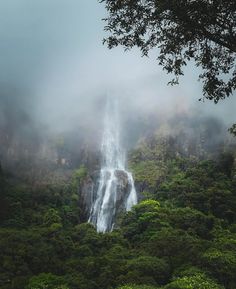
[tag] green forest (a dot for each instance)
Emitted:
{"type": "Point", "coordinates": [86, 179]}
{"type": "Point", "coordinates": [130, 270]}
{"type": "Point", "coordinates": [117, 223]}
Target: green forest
{"type": "Point", "coordinates": [109, 177]}
{"type": "Point", "coordinates": [181, 235]}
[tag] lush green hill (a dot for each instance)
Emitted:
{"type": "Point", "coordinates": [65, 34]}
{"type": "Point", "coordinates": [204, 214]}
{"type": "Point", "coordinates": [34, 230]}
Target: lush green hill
{"type": "Point", "coordinates": [181, 236]}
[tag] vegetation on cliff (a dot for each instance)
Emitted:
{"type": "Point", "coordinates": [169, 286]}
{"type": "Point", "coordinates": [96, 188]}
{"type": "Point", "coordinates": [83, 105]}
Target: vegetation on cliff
{"type": "Point", "coordinates": [182, 235]}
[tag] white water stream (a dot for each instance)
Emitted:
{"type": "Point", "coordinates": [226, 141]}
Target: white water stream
{"type": "Point", "coordinates": [104, 209]}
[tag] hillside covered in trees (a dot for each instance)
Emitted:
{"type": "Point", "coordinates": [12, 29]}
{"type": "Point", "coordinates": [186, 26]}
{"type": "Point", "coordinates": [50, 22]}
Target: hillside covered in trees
{"type": "Point", "coordinates": [181, 235]}
{"type": "Point", "coordinates": [109, 178]}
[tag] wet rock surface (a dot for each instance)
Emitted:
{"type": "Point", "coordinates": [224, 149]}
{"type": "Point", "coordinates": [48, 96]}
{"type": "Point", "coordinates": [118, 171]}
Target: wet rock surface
{"type": "Point", "coordinates": [88, 193]}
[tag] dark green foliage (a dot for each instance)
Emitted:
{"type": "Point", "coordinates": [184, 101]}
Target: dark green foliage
{"type": "Point", "coordinates": [197, 281]}
{"type": "Point", "coordinates": [46, 280]}
{"type": "Point", "coordinates": [202, 31]}
{"type": "Point", "coordinates": [206, 187]}
{"type": "Point", "coordinates": [147, 270]}
{"type": "Point", "coordinates": [181, 236]}
{"type": "Point", "coordinates": [77, 178]}
{"type": "Point", "coordinates": [232, 129]}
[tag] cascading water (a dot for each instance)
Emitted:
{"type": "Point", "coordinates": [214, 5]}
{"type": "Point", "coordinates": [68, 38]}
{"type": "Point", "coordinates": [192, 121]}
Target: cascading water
{"type": "Point", "coordinates": [104, 209]}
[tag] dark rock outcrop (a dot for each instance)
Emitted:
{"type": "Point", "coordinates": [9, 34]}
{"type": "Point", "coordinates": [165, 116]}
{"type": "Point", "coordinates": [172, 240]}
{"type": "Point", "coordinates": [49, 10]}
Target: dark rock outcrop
{"type": "Point", "coordinates": [89, 188]}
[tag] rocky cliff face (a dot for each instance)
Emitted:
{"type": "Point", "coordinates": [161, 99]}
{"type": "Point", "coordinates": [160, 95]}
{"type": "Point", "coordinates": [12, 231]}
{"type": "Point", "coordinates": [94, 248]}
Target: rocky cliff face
{"type": "Point", "coordinates": [89, 188]}
{"type": "Point", "coordinates": [86, 193]}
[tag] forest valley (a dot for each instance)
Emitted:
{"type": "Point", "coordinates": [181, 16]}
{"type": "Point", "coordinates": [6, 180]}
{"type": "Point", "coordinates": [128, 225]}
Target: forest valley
{"type": "Point", "coordinates": [181, 234]}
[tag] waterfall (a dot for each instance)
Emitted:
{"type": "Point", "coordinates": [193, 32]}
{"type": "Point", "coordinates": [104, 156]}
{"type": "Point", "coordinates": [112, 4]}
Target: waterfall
{"type": "Point", "coordinates": [116, 185]}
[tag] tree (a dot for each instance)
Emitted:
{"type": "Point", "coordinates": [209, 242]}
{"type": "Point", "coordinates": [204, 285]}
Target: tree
{"type": "Point", "coordinates": [198, 281]}
{"type": "Point", "coordinates": [46, 281]}
{"type": "Point", "coordinates": [51, 217]}
{"type": "Point", "coordinates": [200, 30]}
{"type": "Point", "coordinates": [233, 129]}
{"type": "Point", "coordinates": [222, 264]}
{"type": "Point", "coordinates": [147, 270]}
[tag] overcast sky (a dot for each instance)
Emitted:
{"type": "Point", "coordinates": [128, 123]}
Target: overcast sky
{"type": "Point", "coordinates": [54, 66]}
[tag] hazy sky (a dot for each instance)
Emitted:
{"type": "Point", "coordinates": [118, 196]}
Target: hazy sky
{"type": "Point", "coordinates": [53, 65]}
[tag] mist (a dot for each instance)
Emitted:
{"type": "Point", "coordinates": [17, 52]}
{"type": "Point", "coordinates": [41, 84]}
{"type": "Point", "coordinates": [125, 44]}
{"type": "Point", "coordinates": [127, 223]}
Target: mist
{"type": "Point", "coordinates": [55, 75]}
